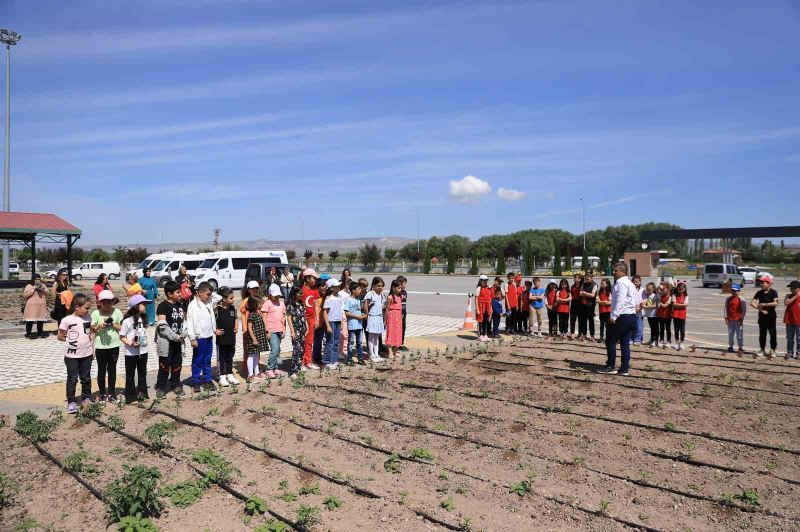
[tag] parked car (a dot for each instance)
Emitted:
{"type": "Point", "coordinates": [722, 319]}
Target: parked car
{"type": "Point", "coordinates": [718, 273]}
{"type": "Point", "coordinates": [13, 268]}
{"type": "Point", "coordinates": [92, 270]}
{"type": "Point", "coordinates": [748, 273]}
{"type": "Point", "coordinates": [259, 271]}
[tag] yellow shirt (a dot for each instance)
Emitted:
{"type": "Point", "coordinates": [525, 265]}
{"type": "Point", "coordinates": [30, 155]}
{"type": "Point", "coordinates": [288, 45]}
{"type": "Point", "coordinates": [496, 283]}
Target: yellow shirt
{"type": "Point", "coordinates": [134, 289]}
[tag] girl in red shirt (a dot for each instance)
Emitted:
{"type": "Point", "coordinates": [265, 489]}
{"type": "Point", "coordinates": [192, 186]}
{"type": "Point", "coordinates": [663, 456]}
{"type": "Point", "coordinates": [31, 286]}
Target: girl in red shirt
{"type": "Point", "coordinates": [483, 307]}
{"type": "Point", "coordinates": [604, 305]}
{"type": "Point", "coordinates": [575, 303]}
{"type": "Point", "coordinates": [550, 294]}
{"type": "Point", "coordinates": [563, 300]}
{"type": "Point", "coordinates": [664, 314]}
{"type": "Point", "coordinates": [680, 301]}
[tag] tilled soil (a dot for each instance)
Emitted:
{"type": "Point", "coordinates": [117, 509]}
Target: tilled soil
{"type": "Point", "coordinates": [515, 437]}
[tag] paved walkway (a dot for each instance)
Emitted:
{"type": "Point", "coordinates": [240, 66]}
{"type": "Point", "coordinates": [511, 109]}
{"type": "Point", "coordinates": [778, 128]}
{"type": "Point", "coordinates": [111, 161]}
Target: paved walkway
{"type": "Point", "coordinates": [34, 362]}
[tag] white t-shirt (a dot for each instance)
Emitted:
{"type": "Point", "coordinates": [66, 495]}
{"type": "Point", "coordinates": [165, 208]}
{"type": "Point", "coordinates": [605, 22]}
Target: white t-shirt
{"type": "Point", "coordinates": [334, 305]}
{"type": "Point", "coordinates": [78, 340]}
{"type": "Point", "coordinates": [131, 333]}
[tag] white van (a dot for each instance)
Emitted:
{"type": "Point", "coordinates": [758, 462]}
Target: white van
{"type": "Point", "coordinates": [149, 262]}
{"type": "Point", "coordinates": [718, 273]}
{"type": "Point", "coordinates": [92, 270]}
{"type": "Point", "coordinates": [228, 268]}
{"type": "Point", "coordinates": [167, 268]}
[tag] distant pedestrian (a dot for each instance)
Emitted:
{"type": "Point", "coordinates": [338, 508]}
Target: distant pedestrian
{"type": "Point", "coordinates": [297, 329]}
{"type": "Point", "coordinates": [394, 319]}
{"type": "Point", "coordinates": [134, 288]}
{"type": "Point", "coordinates": [586, 304]}
{"type": "Point", "coordinates": [150, 292]}
{"type": "Point", "coordinates": [649, 307]}
{"type": "Point", "coordinates": [251, 290]}
{"type": "Point", "coordinates": [621, 322]}
{"type": "Point", "coordinates": [201, 328]}
{"type": "Point", "coordinates": [638, 338]}
{"type": "Point", "coordinates": [106, 323]}
{"type": "Point", "coordinates": [735, 311]}
{"type": "Point", "coordinates": [170, 334]}
{"type": "Point", "coordinates": [575, 302]}
{"type": "Point", "coordinates": [355, 325]}
{"type": "Point", "coordinates": [101, 284]}
{"type": "Point", "coordinates": [287, 282]}
{"type": "Point", "coordinates": [375, 308]}
{"type": "Point", "coordinates": [791, 318]}
{"type": "Point", "coordinates": [497, 310]}
{"type": "Point", "coordinates": [34, 310]}
{"type": "Point", "coordinates": [766, 301]}
{"type": "Point", "coordinates": [310, 296]}
{"type": "Point", "coordinates": [512, 301]}
{"type": "Point", "coordinates": [524, 316]}
{"type": "Point", "coordinates": [404, 296]}
{"type": "Point", "coordinates": [664, 314]}
{"type": "Point", "coordinates": [75, 330]}
{"type": "Point", "coordinates": [62, 296]}
{"type": "Point", "coordinates": [604, 306]}
{"type": "Point", "coordinates": [259, 341]}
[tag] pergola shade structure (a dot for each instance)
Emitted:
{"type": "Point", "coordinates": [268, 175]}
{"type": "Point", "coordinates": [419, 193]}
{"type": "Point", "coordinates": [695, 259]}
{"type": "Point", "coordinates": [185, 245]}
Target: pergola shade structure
{"type": "Point", "coordinates": [30, 228]}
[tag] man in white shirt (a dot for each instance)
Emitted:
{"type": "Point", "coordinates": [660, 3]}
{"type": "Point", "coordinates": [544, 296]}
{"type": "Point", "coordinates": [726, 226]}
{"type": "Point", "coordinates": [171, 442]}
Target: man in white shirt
{"type": "Point", "coordinates": [622, 321]}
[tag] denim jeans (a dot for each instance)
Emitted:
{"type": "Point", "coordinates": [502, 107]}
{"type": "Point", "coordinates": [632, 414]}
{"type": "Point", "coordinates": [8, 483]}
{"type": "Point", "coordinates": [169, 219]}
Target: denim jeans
{"type": "Point", "coordinates": [275, 350]}
{"type": "Point", "coordinates": [331, 355]}
{"type": "Point", "coordinates": [792, 339]}
{"type": "Point", "coordinates": [639, 335]}
{"type": "Point", "coordinates": [355, 344]}
{"type": "Point", "coordinates": [735, 329]}
{"type": "Point", "coordinates": [201, 360]}
{"type": "Point", "coordinates": [496, 323]}
{"type": "Point", "coordinates": [621, 331]}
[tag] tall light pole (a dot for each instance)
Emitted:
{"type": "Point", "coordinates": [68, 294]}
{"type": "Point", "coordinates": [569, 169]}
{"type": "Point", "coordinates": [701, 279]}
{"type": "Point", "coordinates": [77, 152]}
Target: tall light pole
{"type": "Point", "coordinates": [583, 210]}
{"type": "Point", "coordinates": [416, 210]}
{"type": "Point", "coordinates": [9, 38]}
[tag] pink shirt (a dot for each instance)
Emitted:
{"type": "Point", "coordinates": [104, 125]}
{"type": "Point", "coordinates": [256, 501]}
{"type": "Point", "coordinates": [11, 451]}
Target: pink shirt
{"type": "Point", "coordinates": [274, 316]}
{"type": "Point", "coordinates": [79, 343]}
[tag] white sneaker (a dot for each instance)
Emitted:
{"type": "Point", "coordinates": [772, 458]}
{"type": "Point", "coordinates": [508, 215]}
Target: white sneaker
{"type": "Point", "coordinates": [232, 380]}
{"type": "Point", "coordinates": [223, 381]}
{"type": "Point", "coordinates": [635, 343]}
{"type": "Point", "coordinates": [303, 369]}
{"type": "Point", "coordinates": [333, 367]}
{"type": "Point", "coordinates": [680, 347]}
{"type": "Point", "coordinates": [760, 353]}
{"type": "Point", "coordinates": [377, 359]}
{"type": "Point", "coordinates": [674, 346]}
{"type": "Point", "coordinates": [312, 366]}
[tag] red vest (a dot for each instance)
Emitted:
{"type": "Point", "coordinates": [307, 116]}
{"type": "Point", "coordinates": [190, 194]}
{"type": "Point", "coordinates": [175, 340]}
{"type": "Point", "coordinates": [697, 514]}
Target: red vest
{"type": "Point", "coordinates": [733, 308]}
{"type": "Point", "coordinates": [513, 295]}
{"type": "Point", "coordinates": [679, 313]}
{"type": "Point", "coordinates": [604, 309]}
{"type": "Point", "coordinates": [666, 311]}
{"type": "Point", "coordinates": [563, 308]}
{"type": "Point", "coordinates": [551, 297]}
{"type": "Point", "coordinates": [792, 314]}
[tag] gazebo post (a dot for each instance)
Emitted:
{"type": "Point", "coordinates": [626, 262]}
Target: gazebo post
{"type": "Point", "coordinates": [33, 255]}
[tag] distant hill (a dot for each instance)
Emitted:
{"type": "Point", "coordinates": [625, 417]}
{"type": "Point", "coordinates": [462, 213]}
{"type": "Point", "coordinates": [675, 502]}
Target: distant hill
{"type": "Point", "coordinates": [341, 244]}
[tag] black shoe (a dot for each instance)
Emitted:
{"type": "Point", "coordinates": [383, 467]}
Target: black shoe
{"type": "Point", "coordinates": [43, 335]}
{"type": "Point", "coordinates": [197, 388]}
{"type": "Point", "coordinates": [160, 394]}
{"type": "Point", "coordinates": [403, 348]}
{"type": "Point", "coordinates": [210, 386]}
{"type": "Point", "coordinates": [624, 373]}
{"type": "Point", "coordinates": [608, 371]}
{"type": "Point", "coordinates": [30, 336]}
{"type": "Point", "coordinates": [730, 349]}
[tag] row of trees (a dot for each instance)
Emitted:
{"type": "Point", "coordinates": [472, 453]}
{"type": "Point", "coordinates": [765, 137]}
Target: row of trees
{"type": "Point", "coordinates": [59, 255]}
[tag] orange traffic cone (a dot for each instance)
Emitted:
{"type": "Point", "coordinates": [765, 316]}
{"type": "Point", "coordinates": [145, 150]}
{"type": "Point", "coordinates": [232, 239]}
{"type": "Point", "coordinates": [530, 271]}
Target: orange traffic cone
{"type": "Point", "coordinates": [469, 317]}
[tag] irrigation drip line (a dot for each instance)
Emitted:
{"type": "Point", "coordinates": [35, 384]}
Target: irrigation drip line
{"type": "Point", "coordinates": [94, 491]}
{"type": "Point", "coordinates": [691, 461]}
{"type": "Point", "coordinates": [635, 354]}
{"type": "Point", "coordinates": [647, 370]}
{"type": "Point", "coordinates": [358, 491]}
{"type": "Point", "coordinates": [202, 474]}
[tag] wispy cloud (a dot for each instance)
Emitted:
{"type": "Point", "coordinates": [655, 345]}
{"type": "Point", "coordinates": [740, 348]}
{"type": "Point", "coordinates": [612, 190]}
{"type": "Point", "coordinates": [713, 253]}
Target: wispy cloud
{"type": "Point", "coordinates": [509, 194]}
{"type": "Point", "coordinates": [618, 201]}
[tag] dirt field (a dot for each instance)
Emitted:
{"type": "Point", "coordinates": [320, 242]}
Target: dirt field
{"type": "Point", "coordinates": [520, 437]}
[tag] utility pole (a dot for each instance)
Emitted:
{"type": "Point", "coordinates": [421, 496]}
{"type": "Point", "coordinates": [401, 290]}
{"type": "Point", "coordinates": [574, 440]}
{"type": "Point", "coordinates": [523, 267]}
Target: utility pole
{"type": "Point", "coordinates": [9, 38]}
{"type": "Point", "coordinates": [217, 232]}
{"type": "Point", "coordinates": [416, 210]}
{"type": "Point", "coordinates": [583, 210]}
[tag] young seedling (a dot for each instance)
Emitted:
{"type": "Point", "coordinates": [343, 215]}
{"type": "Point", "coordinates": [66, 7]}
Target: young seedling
{"type": "Point", "coordinates": [309, 489]}
{"type": "Point", "coordinates": [37, 430]}
{"type": "Point", "coordinates": [78, 462]}
{"type": "Point", "coordinates": [392, 464]}
{"type": "Point", "coordinates": [8, 491]}
{"type": "Point", "coordinates": [288, 497]}
{"type": "Point", "coordinates": [421, 453]}
{"type": "Point", "coordinates": [332, 503]}
{"type": "Point", "coordinates": [447, 504]}
{"type": "Point", "coordinates": [160, 434]}
{"type": "Point", "coordinates": [93, 411]}
{"type": "Point", "coordinates": [116, 422]}
{"type": "Point", "coordinates": [254, 506]}
{"type": "Point", "coordinates": [184, 494]}
{"type": "Point", "coordinates": [273, 525]}
{"type": "Point", "coordinates": [402, 495]}
{"type": "Point", "coordinates": [307, 515]}
{"type": "Point", "coordinates": [603, 507]}
{"type": "Point", "coordinates": [219, 469]}
{"type": "Point", "coordinates": [749, 497]}
{"type": "Point", "coordinates": [134, 494]}
{"type": "Point", "coordinates": [136, 523]}
{"type": "Point", "coordinates": [669, 426]}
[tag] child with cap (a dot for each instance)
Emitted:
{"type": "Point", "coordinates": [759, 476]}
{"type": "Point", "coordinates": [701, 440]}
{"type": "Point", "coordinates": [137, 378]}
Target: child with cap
{"type": "Point", "coordinates": [253, 289]}
{"type": "Point", "coordinates": [133, 335]}
{"type": "Point", "coordinates": [483, 308]}
{"type": "Point", "coordinates": [106, 324]}
{"type": "Point", "coordinates": [274, 312]}
{"type": "Point", "coordinates": [792, 320]}
{"type": "Point", "coordinates": [735, 310]}
{"type": "Point", "coordinates": [766, 301]}
{"type": "Point", "coordinates": [332, 314]}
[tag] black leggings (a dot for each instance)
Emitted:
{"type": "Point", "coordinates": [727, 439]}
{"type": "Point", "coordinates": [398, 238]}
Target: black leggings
{"type": "Point", "coordinates": [766, 324]}
{"type": "Point", "coordinates": [563, 322]}
{"type": "Point", "coordinates": [522, 320]}
{"type": "Point", "coordinates": [29, 327]}
{"type": "Point", "coordinates": [225, 358]}
{"type": "Point", "coordinates": [664, 332]}
{"type": "Point", "coordinates": [511, 320]}
{"type": "Point", "coordinates": [552, 322]}
{"type": "Point", "coordinates": [107, 362]}
{"type": "Point", "coordinates": [135, 366]}
{"type": "Point", "coordinates": [680, 329]}
{"type": "Point", "coordinates": [574, 311]}
{"type": "Point", "coordinates": [603, 323]}
{"type": "Point", "coordinates": [485, 325]}
{"type": "Point", "coordinates": [586, 317]}
{"type": "Point", "coordinates": [653, 322]}
{"type": "Point", "coordinates": [79, 369]}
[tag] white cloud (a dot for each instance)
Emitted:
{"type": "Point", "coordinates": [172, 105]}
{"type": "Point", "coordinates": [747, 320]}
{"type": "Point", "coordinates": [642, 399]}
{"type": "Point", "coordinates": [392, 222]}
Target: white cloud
{"type": "Point", "coordinates": [550, 196]}
{"type": "Point", "coordinates": [609, 203]}
{"type": "Point", "coordinates": [469, 189]}
{"type": "Point", "coordinates": [509, 194]}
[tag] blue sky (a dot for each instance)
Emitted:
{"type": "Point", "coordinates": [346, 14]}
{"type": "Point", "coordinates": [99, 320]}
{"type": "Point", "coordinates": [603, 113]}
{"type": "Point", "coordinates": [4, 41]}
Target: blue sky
{"type": "Point", "coordinates": [133, 118]}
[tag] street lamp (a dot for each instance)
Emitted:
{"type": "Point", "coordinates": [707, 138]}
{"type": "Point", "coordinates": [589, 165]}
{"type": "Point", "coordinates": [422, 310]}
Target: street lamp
{"type": "Point", "coordinates": [583, 210]}
{"type": "Point", "coordinates": [9, 38]}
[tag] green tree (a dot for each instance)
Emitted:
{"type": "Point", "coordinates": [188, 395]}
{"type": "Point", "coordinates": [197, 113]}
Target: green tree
{"type": "Point", "coordinates": [426, 264]}
{"type": "Point", "coordinates": [584, 261]}
{"type": "Point", "coordinates": [527, 256]}
{"type": "Point", "coordinates": [119, 254]}
{"type": "Point", "coordinates": [24, 254]}
{"type": "Point", "coordinates": [291, 254]}
{"type": "Point", "coordinates": [557, 263]}
{"type": "Point", "coordinates": [501, 265]}
{"type": "Point", "coordinates": [334, 254]}
{"type": "Point", "coordinates": [568, 259]}
{"type": "Point", "coordinates": [370, 255]}
{"type": "Point", "coordinates": [451, 260]}
{"type": "Point", "coordinates": [390, 254]}
{"type": "Point", "coordinates": [350, 257]}
{"type": "Point", "coordinates": [307, 254]}
{"type": "Point", "coordinates": [473, 268]}
{"type": "Point", "coordinates": [603, 254]}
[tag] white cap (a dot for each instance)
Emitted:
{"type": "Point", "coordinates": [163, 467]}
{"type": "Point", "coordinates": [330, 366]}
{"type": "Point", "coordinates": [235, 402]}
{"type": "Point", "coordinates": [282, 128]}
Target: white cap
{"type": "Point", "coordinates": [483, 278]}
{"type": "Point", "coordinates": [274, 290]}
{"type": "Point", "coordinates": [106, 294]}
{"type": "Point", "coordinates": [252, 284]}
{"type": "Point", "coordinates": [330, 283]}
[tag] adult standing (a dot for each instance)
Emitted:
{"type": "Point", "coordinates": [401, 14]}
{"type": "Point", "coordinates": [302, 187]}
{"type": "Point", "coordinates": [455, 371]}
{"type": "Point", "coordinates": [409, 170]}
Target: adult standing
{"type": "Point", "coordinates": [35, 309]}
{"type": "Point", "coordinates": [310, 296]}
{"type": "Point", "coordinates": [186, 282]}
{"type": "Point", "coordinates": [134, 288]}
{"type": "Point", "coordinates": [150, 292]}
{"type": "Point", "coordinates": [622, 321]}
{"type": "Point", "coordinates": [588, 295]}
{"type": "Point", "coordinates": [101, 284]}
{"type": "Point", "coordinates": [273, 277]}
{"type": "Point", "coordinates": [62, 296]}
{"type": "Point", "coordinates": [287, 282]}
{"type": "Point", "coordinates": [765, 300]}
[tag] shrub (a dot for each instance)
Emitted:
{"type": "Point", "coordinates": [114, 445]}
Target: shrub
{"type": "Point", "coordinates": [307, 515]}
{"type": "Point", "coordinates": [160, 434]}
{"type": "Point", "coordinates": [134, 494]}
{"type": "Point", "coordinates": [116, 422]}
{"type": "Point", "coordinates": [332, 503]}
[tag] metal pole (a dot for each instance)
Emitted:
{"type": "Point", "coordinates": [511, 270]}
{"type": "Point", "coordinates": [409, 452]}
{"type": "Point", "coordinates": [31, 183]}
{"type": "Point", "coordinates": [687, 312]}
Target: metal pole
{"type": "Point", "coordinates": [583, 210]}
{"type": "Point", "coordinates": [417, 211]}
{"type": "Point", "coordinates": [7, 160]}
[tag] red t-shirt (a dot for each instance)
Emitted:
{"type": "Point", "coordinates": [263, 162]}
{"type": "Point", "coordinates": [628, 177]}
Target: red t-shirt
{"type": "Point", "coordinates": [310, 296]}
{"type": "Point", "coordinates": [551, 297]}
{"type": "Point", "coordinates": [575, 291]}
{"type": "Point", "coordinates": [524, 299]}
{"type": "Point", "coordinates": [513, 296]}
{"type": "Point", "coordinates": [604, 309]}
{"type": "Point", "coordinates": [563, 308]}
{"type": "Point", "coordinates": [733, 309]}
{"type": "Point", "coordinates": [665, 311]}
{"type": "Point", "coordinates": [679, 313]}
{"type": "Point", "coordinates": [792, 314]}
